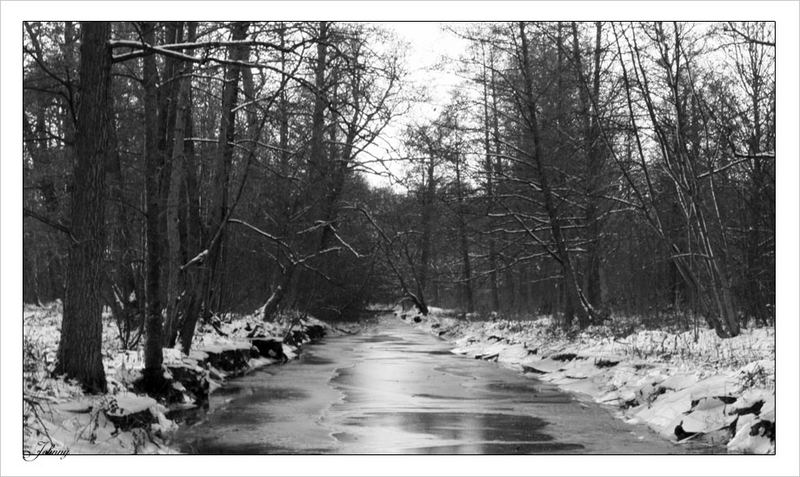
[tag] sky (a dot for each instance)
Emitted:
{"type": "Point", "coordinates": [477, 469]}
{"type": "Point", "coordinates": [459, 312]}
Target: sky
{"type": "Point", "coordinates": [428, 44]}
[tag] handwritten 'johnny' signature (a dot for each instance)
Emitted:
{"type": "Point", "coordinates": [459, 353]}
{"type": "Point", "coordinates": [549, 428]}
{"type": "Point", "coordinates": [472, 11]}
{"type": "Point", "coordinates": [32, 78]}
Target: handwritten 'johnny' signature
{"type": "Point", "coordinates": [44, 448]}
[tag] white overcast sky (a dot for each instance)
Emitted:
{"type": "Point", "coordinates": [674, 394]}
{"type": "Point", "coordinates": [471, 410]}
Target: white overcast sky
{"type": "Point", "coordinates": [428, 45]}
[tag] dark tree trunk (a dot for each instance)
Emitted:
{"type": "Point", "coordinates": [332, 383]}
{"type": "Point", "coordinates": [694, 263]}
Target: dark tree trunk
{"type": "Point", "coordinates": [757, 299]}
{"type": "Point", "coordinates": [153, 357]}
{"type": "Point", "coordinates": [489, 170]}
{"type": "Point", "coordinates": [498, 162]}
{"type": "Point", "coordinates": [463, 239]}
{"type": "Point", "coordinates": [318, 170]}
{"type": "Point", "coordinates": [429, 196]}
{"type": "Point", "coordinates": [283, 108]}
{"type": "Point", "coordinates": [219, 204]}
{"type": "Point", "coordinates": [167, 112]}
{"type": "Point", "coordinates": [79, 352]}
{"type": "Point", "coordinates": [572, 292]}
{"type": "Point", "coordinates": [594, 166]}
{"type": "Point", "coordinates": [277, 295]}
{"type": "Point", "coordinates": [174, 260]}
{"type": "Point", "coordinates": [69, 103]}
{"type": "Point", "coordinates": [193, 229]}
{"type": "Point", "coordinates": [316, 157]}
{"type": "Point", "coordinates": [339, 163]}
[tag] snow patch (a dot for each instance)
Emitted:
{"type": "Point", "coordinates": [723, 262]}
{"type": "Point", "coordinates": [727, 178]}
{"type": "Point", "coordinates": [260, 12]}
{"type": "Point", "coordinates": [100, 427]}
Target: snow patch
{"type": "Point", "coordinates": [683, 384]}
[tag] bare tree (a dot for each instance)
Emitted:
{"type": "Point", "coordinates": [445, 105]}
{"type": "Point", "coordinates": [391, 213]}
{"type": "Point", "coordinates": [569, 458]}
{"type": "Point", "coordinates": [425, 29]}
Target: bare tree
{"type": "Point", "coordinates": [153, 166]}
{"type": "Point", "coordinates": [79, 351]}
{"type": "Point", "coordinates": [575, 302]}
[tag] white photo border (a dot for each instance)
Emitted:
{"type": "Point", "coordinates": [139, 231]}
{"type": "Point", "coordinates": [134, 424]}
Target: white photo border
{"type": "Point", "coordinates": [785, 14]}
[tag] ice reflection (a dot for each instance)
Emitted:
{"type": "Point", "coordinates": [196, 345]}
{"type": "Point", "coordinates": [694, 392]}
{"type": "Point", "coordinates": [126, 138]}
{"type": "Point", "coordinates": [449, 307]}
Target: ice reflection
{"type": "Point", "coordinates": [398, 390]}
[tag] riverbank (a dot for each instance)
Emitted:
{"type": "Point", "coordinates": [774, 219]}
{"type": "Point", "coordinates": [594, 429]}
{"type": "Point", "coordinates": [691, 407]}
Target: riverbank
{"type": "Point", "coordinates": [58, 417]}
{"type": "Point", "coordinates": [395, 389]}
{"type": "Point", "coordinates": [686, 386]}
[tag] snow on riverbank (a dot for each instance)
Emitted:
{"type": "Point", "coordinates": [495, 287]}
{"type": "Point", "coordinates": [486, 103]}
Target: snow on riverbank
{"type": "Point", "coordinates": [707, 390]}
{"type": "Point", "coordinates": [58, 417]}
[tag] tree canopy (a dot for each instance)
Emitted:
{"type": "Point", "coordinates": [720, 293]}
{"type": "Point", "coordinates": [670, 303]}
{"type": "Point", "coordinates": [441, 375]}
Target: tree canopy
{"type": "Point", "coordinates": [175, 171]}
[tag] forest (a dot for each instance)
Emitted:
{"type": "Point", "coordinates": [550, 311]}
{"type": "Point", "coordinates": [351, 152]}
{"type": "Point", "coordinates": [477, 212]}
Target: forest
{"type": "Point", "coordinates": [178, 171]}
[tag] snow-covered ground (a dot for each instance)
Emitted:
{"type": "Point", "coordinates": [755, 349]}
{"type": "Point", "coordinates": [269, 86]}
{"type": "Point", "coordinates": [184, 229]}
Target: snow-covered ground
{"type": "Point", "coordinates": [684, 385]}
{"type": "Point", "coordinates": [687, 386]}
{"type": "Point", "coordinates": [59, 417]}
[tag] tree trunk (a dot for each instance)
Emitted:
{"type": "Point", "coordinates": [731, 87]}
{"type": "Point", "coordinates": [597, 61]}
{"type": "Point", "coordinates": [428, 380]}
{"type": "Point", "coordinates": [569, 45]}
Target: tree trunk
{"type": "Point", "coordinates": [489, 170]}
{"type": "Point", "coordinates": [572, 290]}
{"type": "Point", "coordinates": [176, 180]}
{"type": "Point", "coordinates": [316, 156]}
{"type": "Point", "coordinates": [69, 102]}
{"type": "Point", "coordinates": [429, 196]}
{"type": "Point", "coordinates": [283, 111]}
{"type": "Point", "coordinates": [79, 351]}
{"type": "Point", "coordinates": [463, 239]}
{"type": "Point", "coordinates": [498, 149]}
{"type": "Point", "coordinates": [219, 202]}
{"type": "Point", "coordinates": [594, 166]}
{"type": "Point", "coordinates": [277, 295]}
{"type": "Point", "coordinates": [318, 172]}
{"type": "Point", "coordinates": [153, 357]}
{"type": "Point", "coordinates": [193, 229]}
{"type": "Point", "coordinates": [281, 281]}
{"type": "Point", "coordinates": [757, 300]}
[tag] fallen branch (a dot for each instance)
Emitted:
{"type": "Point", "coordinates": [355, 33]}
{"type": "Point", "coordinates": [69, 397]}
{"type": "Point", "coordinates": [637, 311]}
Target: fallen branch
{"type": "Point", "coordinates": [52, 223]}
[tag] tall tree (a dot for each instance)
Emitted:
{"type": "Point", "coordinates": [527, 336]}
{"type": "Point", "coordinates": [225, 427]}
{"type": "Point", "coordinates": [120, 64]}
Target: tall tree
{"type": "Point", "coordinates": [153, 356]}
{"type": "Point", "coordinates": [489, 169]}
{"type": "Point", "coordinates": [316, 166]}
{"type": "Point", "coordinates": [173, 205]}
{"type": "Point", "coordinates": [463, 239]}
{"type": "Point", "coordinates": [754, 64]}
{"type": "Point", "coordinates": [589, 95]}
{"type": "Point", "coordinates": [79, 352]}
{"type": "Point", "coordinates": [575, 303]}
{"type": "Point", "coordinates": [220, 204]}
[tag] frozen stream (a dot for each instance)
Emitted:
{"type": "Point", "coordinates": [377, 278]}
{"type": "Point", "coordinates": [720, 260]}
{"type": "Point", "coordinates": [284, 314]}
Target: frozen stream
{"type": "Point", "coordinates": [396, 389]}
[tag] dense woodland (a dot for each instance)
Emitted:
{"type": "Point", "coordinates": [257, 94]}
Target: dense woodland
{"type": "Point", "coordinates": [175, 171]}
